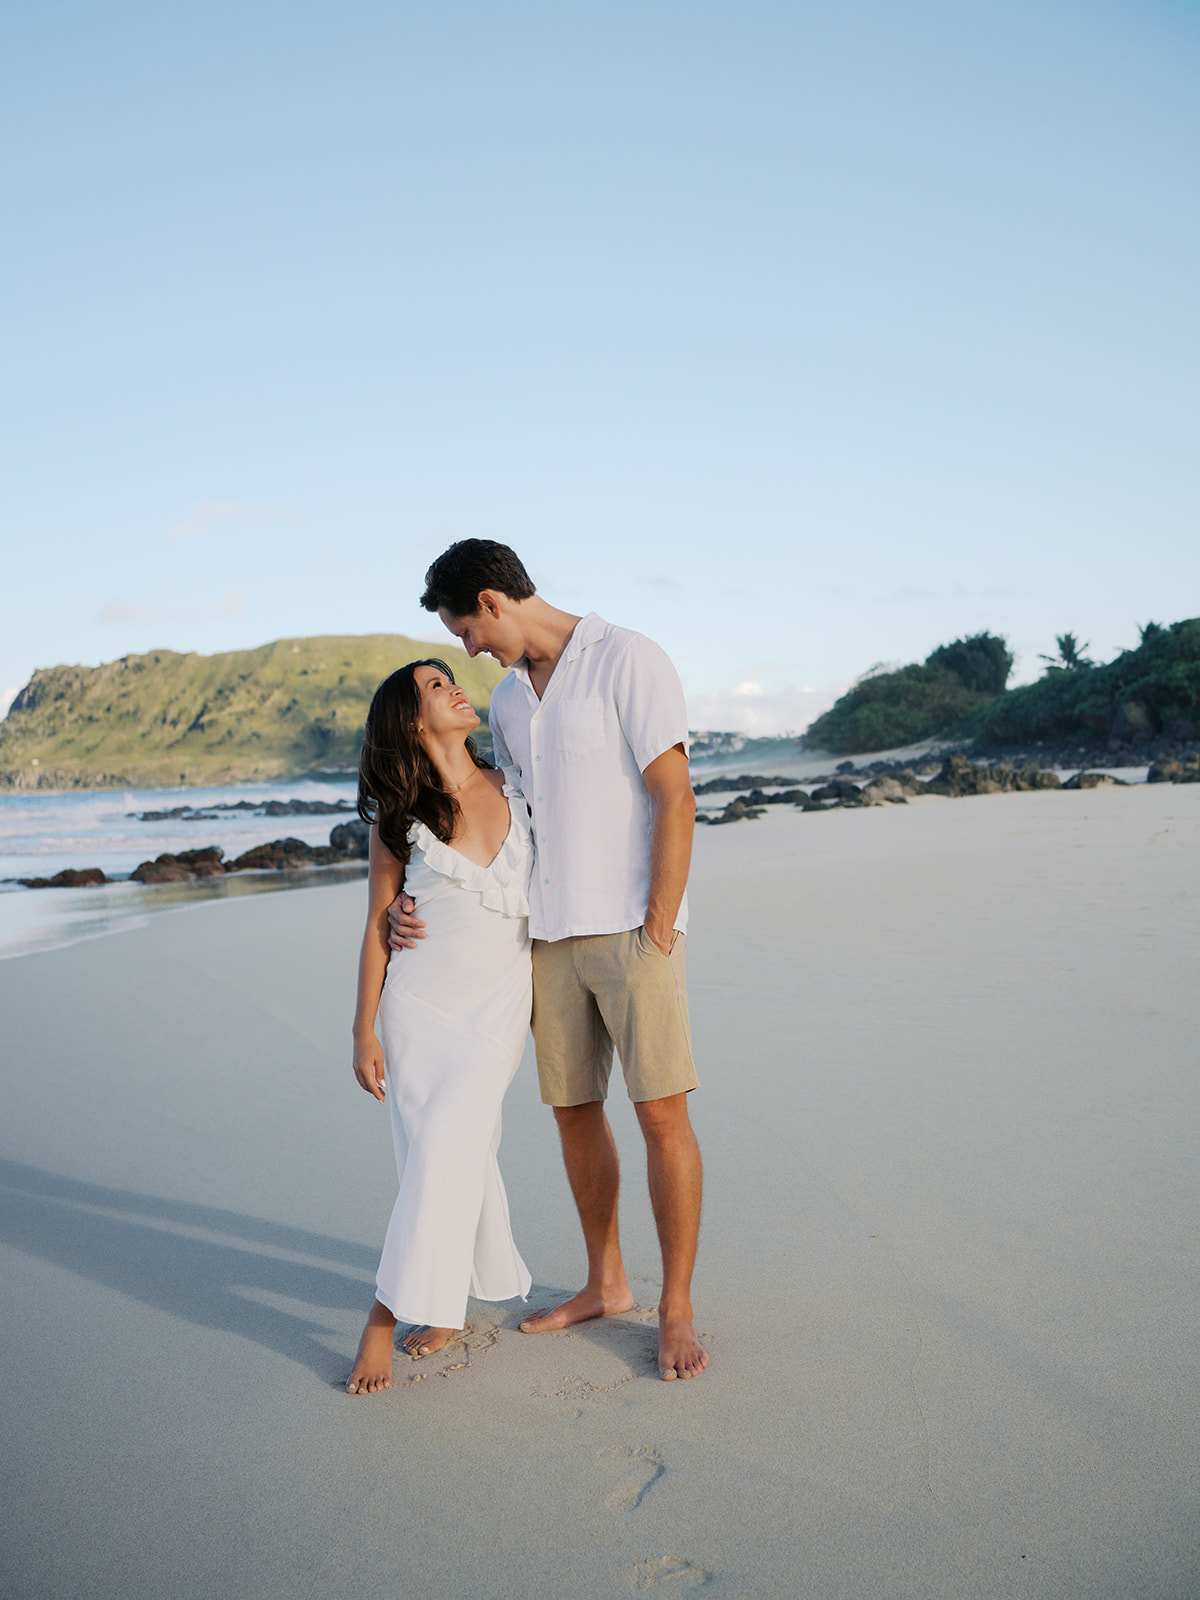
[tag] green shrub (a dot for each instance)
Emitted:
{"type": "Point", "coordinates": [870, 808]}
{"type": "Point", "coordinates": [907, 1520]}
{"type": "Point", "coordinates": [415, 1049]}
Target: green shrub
{"type": "Point", "coordinates": [888, 709]}
{"type": "Point", "coordinates": [981, 661]}
{"type": "Point", "coordinates": [1162, 674]}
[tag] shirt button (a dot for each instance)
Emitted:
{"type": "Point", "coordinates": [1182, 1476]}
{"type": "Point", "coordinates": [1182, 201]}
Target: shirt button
{"type": "Point", "coordinates": [545, 880]}
{"type": "Point", "coordinates": [539, 799]}
{"type": "Point", "coordinates": [537, 758]}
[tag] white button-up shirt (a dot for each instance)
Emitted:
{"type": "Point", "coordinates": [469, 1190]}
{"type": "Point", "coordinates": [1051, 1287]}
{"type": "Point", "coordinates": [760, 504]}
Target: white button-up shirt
{"type": "Point", "coordinates": [613, 705]}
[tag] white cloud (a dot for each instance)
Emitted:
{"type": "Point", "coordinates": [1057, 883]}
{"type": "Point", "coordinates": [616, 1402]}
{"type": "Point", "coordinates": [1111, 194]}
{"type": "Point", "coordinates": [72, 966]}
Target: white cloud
{"type": "Point", "coordinates": [748, 707]}
{"type": "Point", "coordinates": [229, 604]}
{"type": "Point", "coordinates": [134, 611]}
{"type": "Point", "coordinates": [202, 515]}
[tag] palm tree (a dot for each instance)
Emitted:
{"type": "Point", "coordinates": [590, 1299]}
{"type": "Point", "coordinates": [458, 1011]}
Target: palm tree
{"type": "Point", "coordinates": [1070, 657]}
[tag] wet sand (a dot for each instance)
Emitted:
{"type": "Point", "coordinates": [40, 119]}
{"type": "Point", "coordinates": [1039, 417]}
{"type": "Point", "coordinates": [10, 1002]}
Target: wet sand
{"type": "Point", "coordinates": [949, 1111]}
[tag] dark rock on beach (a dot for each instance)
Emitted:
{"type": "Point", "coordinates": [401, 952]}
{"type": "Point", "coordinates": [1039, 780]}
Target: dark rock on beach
{"type": "Point", "coordinates": [258, 808]}
{"type": "Point", "coordinates": [1169, 769]}
{"type": "Point", "coordinates": [1093, 780]}
{"type": "Point", "coordinates": [735, 811]}
{"type": "Point", "coordinates": [284, 855]}
{"type": "Point", "coordinates": [181, 868]}
{"type": "Point", "coordinates": [348, 841]}
{"type": "Point", "coordinates": [837, 789]}
{"type": "Point", "coordinates": [723, 785]}
{"type": "Point", "coordinates": [301, 808]}
{"type": "Point", "coordinates": [351, 839]}
{"type": "Point", "coordinates": [68, 878]}
{"type": "Point", "coordinates": [778, 797]}
{"type": "Point", "coordinates": [960, 776]}
{"type": "Point", "coordinates": [884, 791]}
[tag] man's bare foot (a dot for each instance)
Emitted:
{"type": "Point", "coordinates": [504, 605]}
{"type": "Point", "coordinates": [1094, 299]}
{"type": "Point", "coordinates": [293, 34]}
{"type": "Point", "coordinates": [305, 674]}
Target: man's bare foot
{"type": "Point", "coordinates": [373, 1363]}
{"type": "Point", "coordinates": [680, 1353]}
{"type": "Point", "coordinates": [582, 1307]}
{"type": "Point", "coordinates": [427, 1341]}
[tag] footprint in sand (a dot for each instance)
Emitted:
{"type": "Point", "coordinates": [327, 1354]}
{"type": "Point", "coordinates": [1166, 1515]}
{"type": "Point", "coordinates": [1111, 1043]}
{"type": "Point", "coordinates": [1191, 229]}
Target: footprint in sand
{"type": "Point", "coordinates": [639, 1469]}
{"type": "Point", "coordinates": [677, 1571]}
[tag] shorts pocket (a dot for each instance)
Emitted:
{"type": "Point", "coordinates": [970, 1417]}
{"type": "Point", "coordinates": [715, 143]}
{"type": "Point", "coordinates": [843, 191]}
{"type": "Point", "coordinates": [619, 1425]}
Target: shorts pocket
{"type": "Point", "coordinates": [647, 945]}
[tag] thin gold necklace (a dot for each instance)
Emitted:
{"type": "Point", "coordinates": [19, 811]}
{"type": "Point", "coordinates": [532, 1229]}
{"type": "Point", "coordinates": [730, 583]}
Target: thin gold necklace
{"type": "Point", "coordinates": [453, 788]}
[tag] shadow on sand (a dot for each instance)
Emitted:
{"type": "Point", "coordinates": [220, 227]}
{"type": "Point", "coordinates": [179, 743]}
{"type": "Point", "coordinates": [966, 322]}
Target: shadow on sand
{"type": "Point", "coordinates": [215, 1268]}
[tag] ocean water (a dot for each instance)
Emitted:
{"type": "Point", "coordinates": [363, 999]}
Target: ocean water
{"type": "Point", "coordinates": [40, 834]}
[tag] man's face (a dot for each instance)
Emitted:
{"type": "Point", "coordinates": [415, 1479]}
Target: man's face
{"type": "Point", "coordinates": [489, 632]}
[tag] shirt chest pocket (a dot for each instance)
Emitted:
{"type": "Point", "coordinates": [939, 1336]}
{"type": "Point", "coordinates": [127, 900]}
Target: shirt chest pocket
{"type": "Point", "coordinates": [577, 727]}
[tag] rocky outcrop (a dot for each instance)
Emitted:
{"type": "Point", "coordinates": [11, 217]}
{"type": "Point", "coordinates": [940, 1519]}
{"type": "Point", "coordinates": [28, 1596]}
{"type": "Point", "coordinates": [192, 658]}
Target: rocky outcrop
{"type": "Point", "coordinates": [1094, 780]}
{"type": "Point", "coordinates": [257, 808]}
{"type": "Point", "coordinates": [735, 811]}
{"type": "Point", "coordinates": [352, 839]}
{"type": "Point", "coordinates": [890, 784]}
{"type": "Point", "coordinates": [348, 841]}
{"type": "Point", "coordinates": [723, 785]}
{"type": "Point", "coordinates": [1168, 769]}
{"type": "Point", "coordinates": [68, 878]}
{"type": "Point", "coordinates": [960, 777]}
{"type": "Point", "coordinates": [282, 855]}
{"type": "Point", "coordinates": [181, 868]}
{"type": "Point", "coordinates": [884, 791]}
{"type": "Point", "coordinates": [838, 789]}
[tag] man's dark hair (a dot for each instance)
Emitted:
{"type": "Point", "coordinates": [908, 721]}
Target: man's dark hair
{"type": "Point", "coordinates": [459, 575]}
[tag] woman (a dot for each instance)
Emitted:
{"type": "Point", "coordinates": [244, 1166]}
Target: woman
{"type": "Point", "coordinates": [454, 1011]}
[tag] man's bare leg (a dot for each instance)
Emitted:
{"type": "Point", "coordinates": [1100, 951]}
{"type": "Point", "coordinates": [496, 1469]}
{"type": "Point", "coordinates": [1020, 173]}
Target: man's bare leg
{"type": "Point", "coordinates": [590, 1156]}
{"type": "Point", "coordinates": [676, 1178]}
{"type": "Point", "coordinates": [373, 1363]}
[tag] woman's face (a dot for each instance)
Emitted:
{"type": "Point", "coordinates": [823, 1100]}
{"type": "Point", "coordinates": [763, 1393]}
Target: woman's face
{"type": "Point", "coordinates": [445, 709]}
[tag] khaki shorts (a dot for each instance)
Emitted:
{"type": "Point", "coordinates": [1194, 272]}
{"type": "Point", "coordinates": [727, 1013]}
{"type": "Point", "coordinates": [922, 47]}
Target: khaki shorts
{"type": "Point", "coordinates": [596, 991]}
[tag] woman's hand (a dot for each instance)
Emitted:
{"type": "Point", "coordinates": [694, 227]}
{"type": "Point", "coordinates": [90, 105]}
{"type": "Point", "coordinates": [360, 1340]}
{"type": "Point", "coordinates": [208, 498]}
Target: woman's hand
{"type": "Point", "coordinates": [368, 1064]}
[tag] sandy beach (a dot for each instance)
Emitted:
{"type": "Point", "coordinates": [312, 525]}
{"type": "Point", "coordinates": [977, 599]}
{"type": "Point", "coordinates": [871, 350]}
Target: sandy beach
{"type": "Point", "coordinates": [947, 1275]}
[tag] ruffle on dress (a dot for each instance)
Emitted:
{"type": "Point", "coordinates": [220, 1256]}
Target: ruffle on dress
{"type": "Point", "coordinates": [504, 885]}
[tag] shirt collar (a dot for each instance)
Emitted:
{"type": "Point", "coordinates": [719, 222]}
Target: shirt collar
{"type": "Point", "coordinates": [586, 631]}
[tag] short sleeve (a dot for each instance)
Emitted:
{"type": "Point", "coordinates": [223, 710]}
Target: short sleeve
{"type": "Point", "coordinates": [650, 703]}
{"type": "Point", "coordinates": [501, 754]}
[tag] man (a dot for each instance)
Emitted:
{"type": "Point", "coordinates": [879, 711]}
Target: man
{"type": "Point", "coordinates": [593, 718]}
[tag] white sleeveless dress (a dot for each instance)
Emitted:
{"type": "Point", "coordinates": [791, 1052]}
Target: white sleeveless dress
{"type": "Point", "coordinates": [453, 1021]}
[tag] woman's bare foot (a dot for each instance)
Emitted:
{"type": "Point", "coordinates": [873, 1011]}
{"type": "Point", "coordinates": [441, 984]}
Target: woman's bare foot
{"type": "Point", "coordinates": [427, 1341]}
{"type": "Point", "coordinates": [582, 1307]}
{"type": "Point", "coordinates": [373, 1363]}
{"type": "Point", "coordinates": [680, 1353]}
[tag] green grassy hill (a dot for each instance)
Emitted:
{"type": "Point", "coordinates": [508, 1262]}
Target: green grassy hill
{"type": "Point", "coordinates": [288, 708]}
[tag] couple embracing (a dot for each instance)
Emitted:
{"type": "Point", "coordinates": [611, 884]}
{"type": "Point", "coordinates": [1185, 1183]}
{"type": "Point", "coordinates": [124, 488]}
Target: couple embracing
{"type": "Point", "coordinates": [552, 885]}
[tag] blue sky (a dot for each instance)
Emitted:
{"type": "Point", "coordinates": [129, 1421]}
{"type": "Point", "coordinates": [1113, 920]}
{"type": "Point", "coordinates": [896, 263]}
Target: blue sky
{"type": "Point", "coordinates": [801, 337]}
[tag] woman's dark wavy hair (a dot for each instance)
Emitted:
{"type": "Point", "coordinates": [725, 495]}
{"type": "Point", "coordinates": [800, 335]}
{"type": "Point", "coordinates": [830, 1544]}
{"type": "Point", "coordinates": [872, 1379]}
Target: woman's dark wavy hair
{"type": "Point", "coordinates": [396, 779]}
